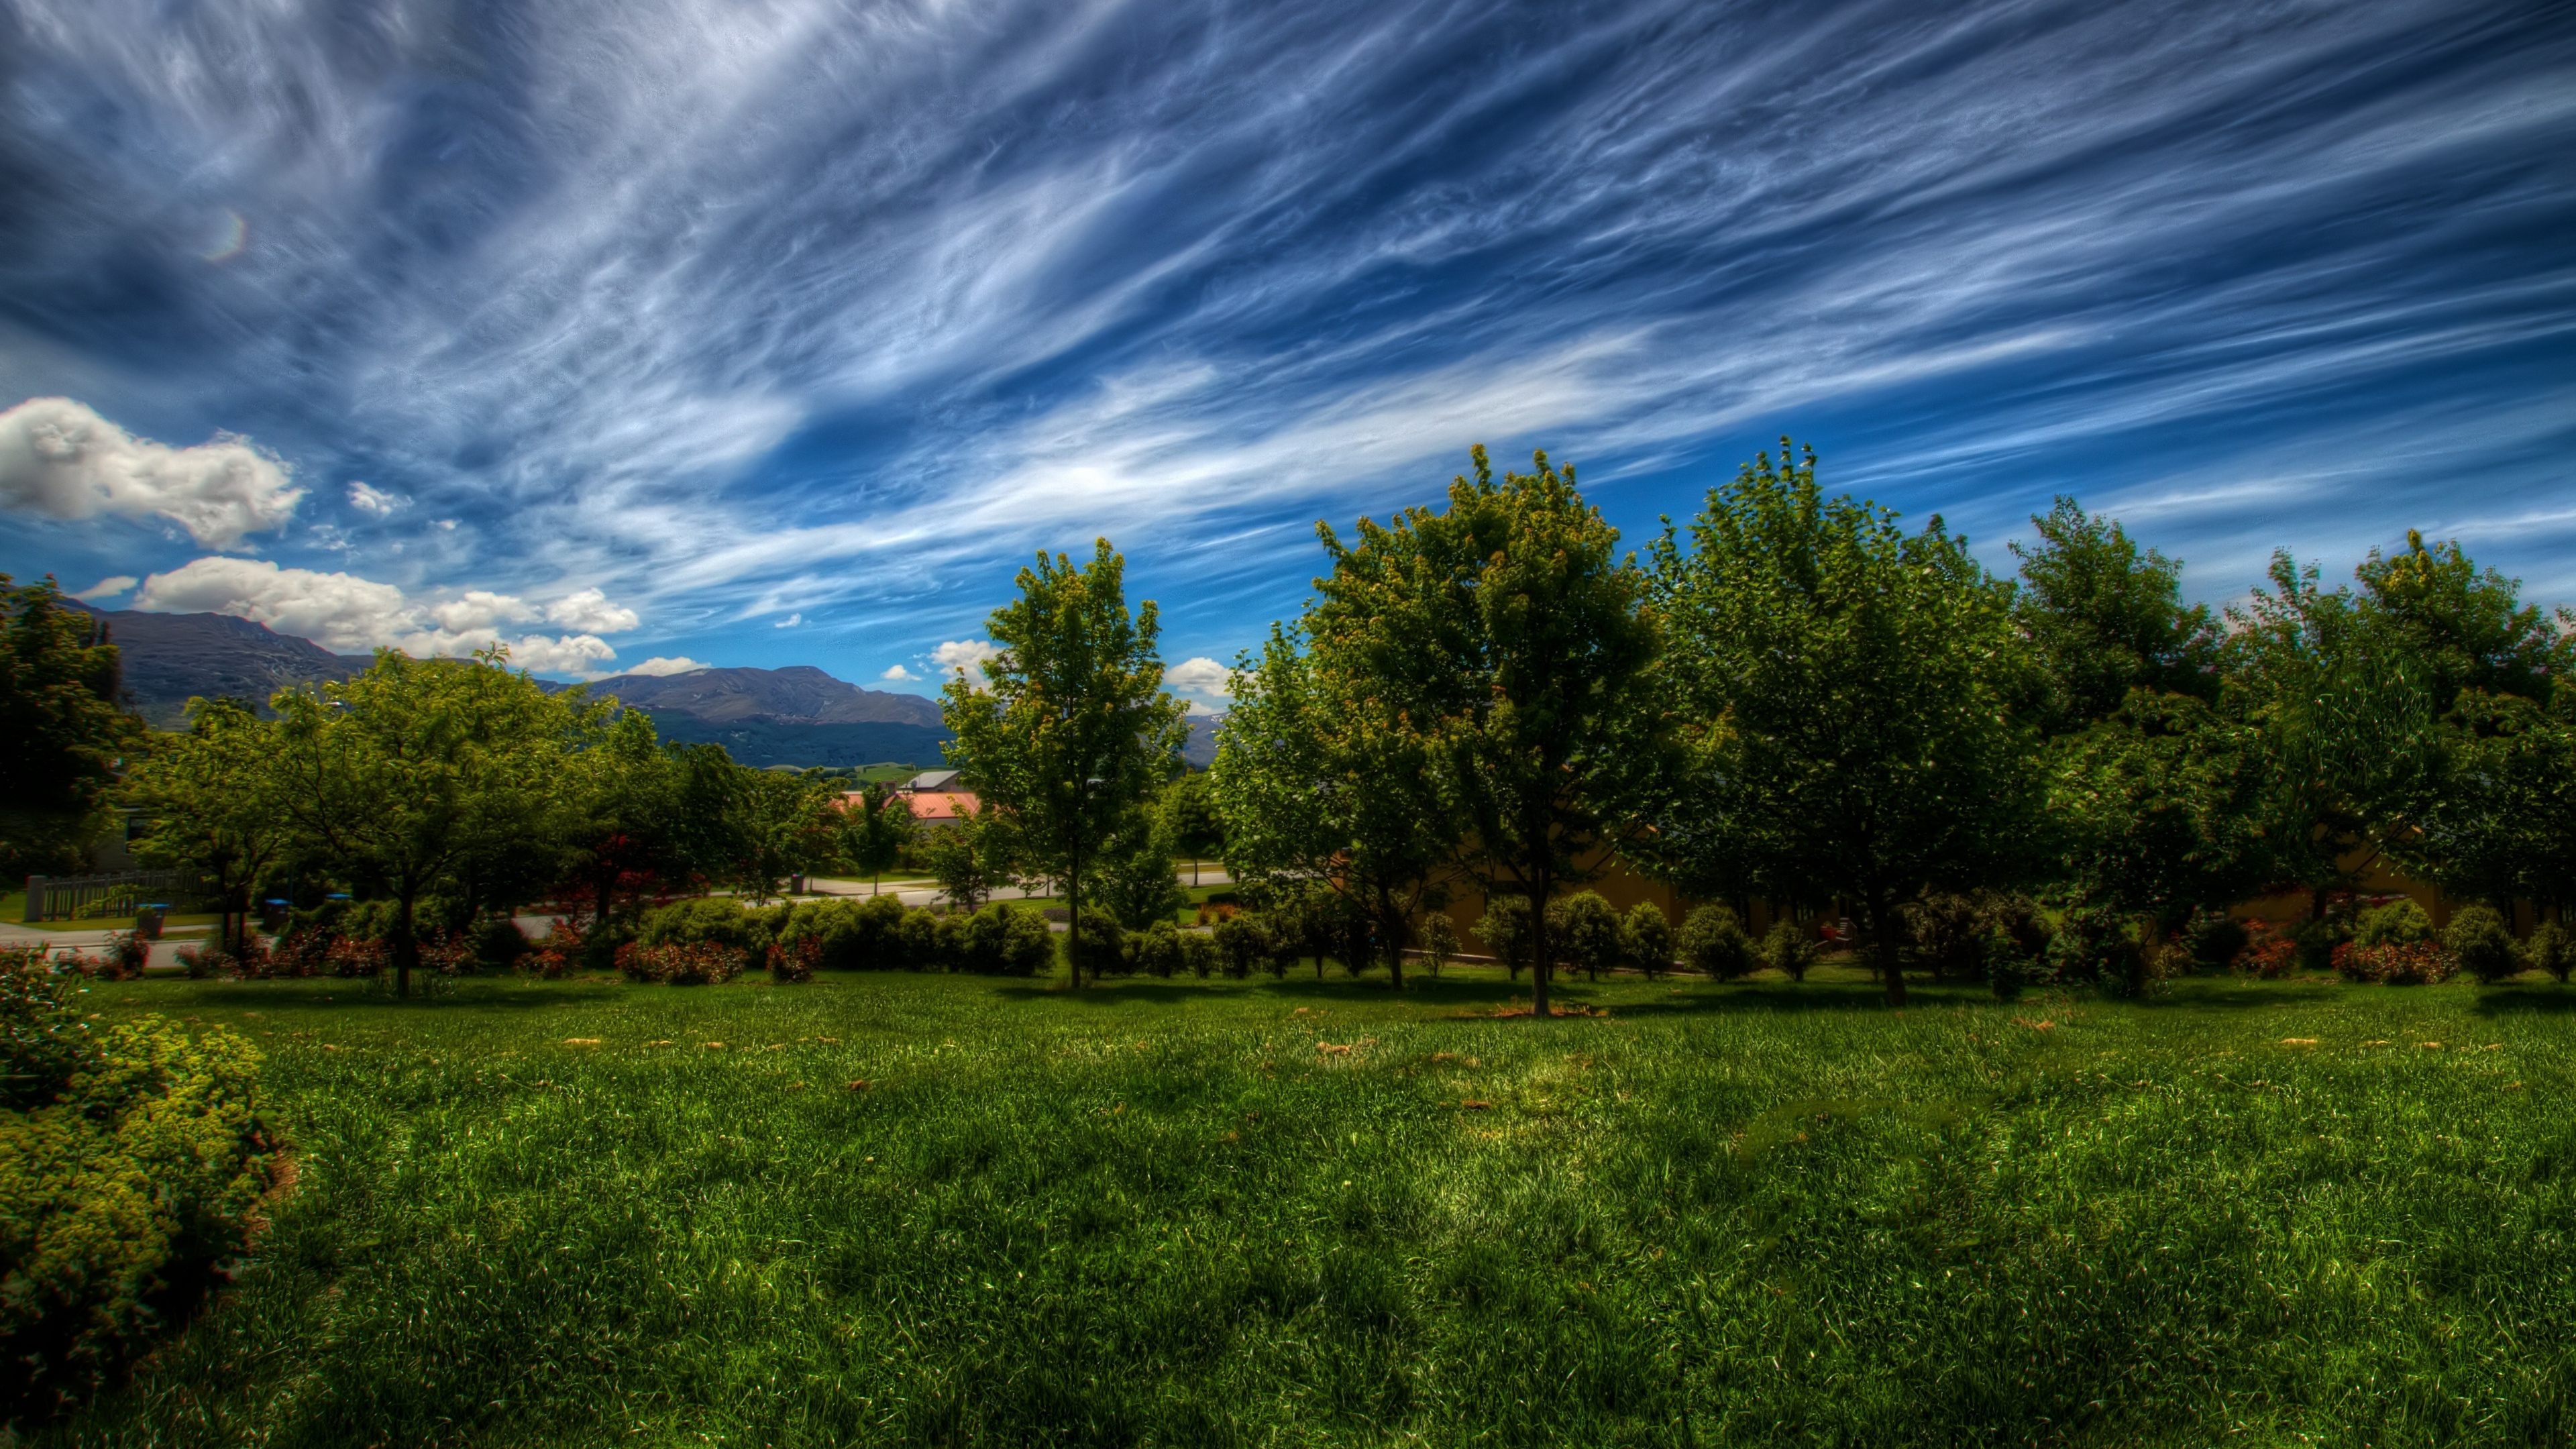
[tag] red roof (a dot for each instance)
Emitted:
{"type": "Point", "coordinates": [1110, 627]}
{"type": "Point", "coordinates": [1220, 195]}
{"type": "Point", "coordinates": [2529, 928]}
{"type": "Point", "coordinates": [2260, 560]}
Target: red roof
{"type": "Point", "coordinates": [945, 805]}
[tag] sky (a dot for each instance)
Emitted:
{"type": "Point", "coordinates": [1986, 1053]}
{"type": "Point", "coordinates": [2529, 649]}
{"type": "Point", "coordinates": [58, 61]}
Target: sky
{"type": "Point", "coordinates": [656, 333]}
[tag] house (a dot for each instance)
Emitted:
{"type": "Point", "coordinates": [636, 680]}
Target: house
{"type": "Point", "coordinates": [932, 782]}
{"type": "Point", "coordinates": [932, 809]}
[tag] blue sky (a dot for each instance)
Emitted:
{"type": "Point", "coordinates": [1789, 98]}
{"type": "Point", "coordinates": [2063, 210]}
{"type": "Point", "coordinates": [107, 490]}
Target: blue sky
{"type": "Point", "coordinates": [781, 331]}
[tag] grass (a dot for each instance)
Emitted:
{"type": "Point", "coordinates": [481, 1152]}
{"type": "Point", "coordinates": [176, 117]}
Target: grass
{"type": "Point", "coordinates": [905, 1209]}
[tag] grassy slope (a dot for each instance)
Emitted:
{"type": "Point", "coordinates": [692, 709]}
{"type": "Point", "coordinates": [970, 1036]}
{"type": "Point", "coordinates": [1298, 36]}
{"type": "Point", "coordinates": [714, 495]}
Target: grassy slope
{"type": "Point", "coordinates": [1158, 1213]}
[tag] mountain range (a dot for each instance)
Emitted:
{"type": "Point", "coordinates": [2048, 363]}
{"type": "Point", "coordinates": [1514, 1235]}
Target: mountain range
{"type": "Point", "coordinates": [793, 716]}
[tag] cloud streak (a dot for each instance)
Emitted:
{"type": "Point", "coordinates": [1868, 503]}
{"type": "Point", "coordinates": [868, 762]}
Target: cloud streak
{"type": "Point", "coordinates": [790, 309]}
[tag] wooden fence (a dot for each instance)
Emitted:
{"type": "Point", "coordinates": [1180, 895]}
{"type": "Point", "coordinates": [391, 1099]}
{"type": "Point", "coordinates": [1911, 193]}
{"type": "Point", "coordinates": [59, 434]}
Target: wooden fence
{"type": "Point", "coordinates": [80, 897]}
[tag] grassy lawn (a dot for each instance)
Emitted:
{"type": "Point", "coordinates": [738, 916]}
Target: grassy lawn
{"type": "Point", "coordinates": [907, 1209]}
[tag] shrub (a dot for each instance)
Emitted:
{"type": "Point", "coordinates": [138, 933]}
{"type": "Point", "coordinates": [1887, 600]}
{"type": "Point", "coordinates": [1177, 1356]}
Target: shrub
{"type": "Point", "coordinates": [1242, 943]}
{"type": "Point", "coordinates": [564, 951]}
{"type": "Point", "coordinates": [1199, 954]}
{"type": "Point", "coordinates": [2406, 963]}
{"type": "Point", "coordinates": [710, 919]}
{"type": "Point", "coordinates": [359, 956]}
{"type": "Point", "coordinates": [2008, 967]}
{"type": "Point", "coordinates": [2269, 953]}
{"type": "Point", "coordinates": [1439, 941]}
{"type": "Point", "coordinates": [2478, 940]}
{"type": "Point", "coordinates": [126, 956]}
{"type": "Point", "coordinates": [1646, 939]}
{"type": "Point", "coordinates": [1583, 930]}
{"type": "Point", "coordinates": [1713, 941]}
{"type": "Point", "coordinates": [130, 1160]}
{"type": "Point", "coordinates": [853, 935]}
{"type": "Point", "coordinates": [691, 963]}
{"type": "Point", "coordinates": [1158, 949]}
{"type": "Point", "coordinates": [792, 963]}
{"type": "Point", "coordinates": [1948, 933]}
{"type": "Point", "coordinates": [2318, 939]}
{"type": "Point", "coordinates": [2213, 937]}
{"type": "Point", "coordinates": [918, 943]}
{"type": "Point", "coordinates": [2548, 950]}
{"type": "Point", "coordinates": [1505, 930]}
{"type": "Point", "coordinates": [1789, 949]}
{"type": "Point", "coordinates": [1005, 940]}
{"type": "Point", "coordinates": [499, 943]}
{"type": "Point", "coordinates": [2399, 923]}
{"type": "Point", "coordinates": [2091, 944]}
{"type": "Point", "coordinates": [1103, 944]}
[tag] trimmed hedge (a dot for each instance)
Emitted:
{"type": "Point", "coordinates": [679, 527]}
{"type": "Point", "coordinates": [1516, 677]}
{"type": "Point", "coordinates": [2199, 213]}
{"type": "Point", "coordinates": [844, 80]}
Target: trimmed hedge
{"type": "Point", "coordinates": [131, 1159]}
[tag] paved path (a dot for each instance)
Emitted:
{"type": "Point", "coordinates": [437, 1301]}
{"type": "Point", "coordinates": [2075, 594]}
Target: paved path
{"type": "Point", "coordinates": [62, 942]}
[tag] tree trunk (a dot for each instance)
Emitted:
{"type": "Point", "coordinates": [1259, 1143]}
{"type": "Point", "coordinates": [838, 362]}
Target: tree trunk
{"type": "Point", "coordinates": [1395, 945]}
{"type": "Point", "coordinates": [1882, 923]}
{"type": "Point", "coordinates": [1540, 947]}
{"type": "Point", "coordinates": [1073, 918]}
{"type": "Point", "coordinates": [406, 950]}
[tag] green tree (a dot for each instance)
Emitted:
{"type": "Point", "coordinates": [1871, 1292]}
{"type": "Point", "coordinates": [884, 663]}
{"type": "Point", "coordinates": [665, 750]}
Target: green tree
{"type": "Point", "coordinates": [1190, 812]}
{"type": "Point", "coordinates": [972, 856]}
{"type": "Point", "coordinates": [1847, 686]}
{"type": "Point", "coordinates": [1138, 882]}
{"type": "Point", "coordinates": [877, 828]}
{"type": "Point", "coordinates": [2464, 628]}
{"type": "Point", "coordinates": [63, 735]}
{"type": "Point", "coordinates": [1070, 731]}
{"type": "Point", "coordinates": [1500, 642]}
{"type": "Point", "coordinates": [212, 796]}
{"type": "Point", "coordinates": [410, 769]}
{"type": "Point", "coordinates": [2104, 618]}
{"type": "Point", "coordinates": [781, 825]}
{"type": "Point", "coordinates": [1316, 789]}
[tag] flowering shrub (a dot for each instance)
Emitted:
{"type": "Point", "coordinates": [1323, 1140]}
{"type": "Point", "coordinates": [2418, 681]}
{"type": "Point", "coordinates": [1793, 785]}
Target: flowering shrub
{"type": "Point", "coordinates": [126, 955]}
{"type": "Point", "coordinates": [560, 953]}
{"type": "Point", "coordinates": [690, 963]}
{"type": "Point", "coordinates": [2397, 963]}
{"type": "Point", "coordinates": [350, 956]}
{"type": "Point", "coordinates": [793, 963]}
{"type": "Point", "coordinates": [302, 951]}
{"type": "Point", "coordinates": [2269, 953]}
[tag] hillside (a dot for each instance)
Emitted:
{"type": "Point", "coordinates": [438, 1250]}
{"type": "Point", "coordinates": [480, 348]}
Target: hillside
{"type": "Point", "coordinates": [170, 657]}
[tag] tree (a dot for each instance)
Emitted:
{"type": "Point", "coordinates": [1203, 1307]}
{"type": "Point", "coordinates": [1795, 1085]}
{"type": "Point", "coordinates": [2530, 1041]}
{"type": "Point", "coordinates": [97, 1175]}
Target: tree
{"type": "Point", "coordinates": [2104, 619]}
{"type": "Point", "coordinates": [406, 771]}
{"type": "Point", "coordinates": [1846, 686]}
{"type": "Point", "coordinates": [781, 825]}
{"type": "Point", "coordinates": [63, 735]}
{"type": "Point", "coordinates": [1190, 812]}
{"type": "Point", "coordinates": [1500, 643]}
{"type": "Point", "coordinates": [1137, 881]}
{"type": "Point", "coordinates": [876, 830]}
{"type": "Point", "coordinates": [973, 856]}
{"type": "Point", "coordinates": [2465, 629]}
{"type": "Point", "coordinates": [212, 796]}
{"type": "Point", "coordinates": [1314, 789]}
{"type": "Point", "coordinates": [1071, 730]}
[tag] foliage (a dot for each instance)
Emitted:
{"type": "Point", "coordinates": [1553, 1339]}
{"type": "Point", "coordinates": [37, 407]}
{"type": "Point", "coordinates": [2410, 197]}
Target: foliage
{"type": "Point", "coordinates": [1199, 954]}
{"type": "Point", "coordinates": [1156, 950]}
{"type": "Point", "coordinates": [1501, 643]}
{"type": "Point", "coordinates": [212, 797]}
{"type": "Point", "coordinates": [410, 771]}
{"type": "Point", "coordinates": [877, 827]}
{"type": "Point", "coordinates": [1137, 883]}
{"type": "Point", "coordinates": [1505, 930]}
{"type": "Point", "coordinates": [499, 943]}
{"type": "Point", "coordinates": [850, 935]}
{"type": "Point", "coordinates": [1188, 811]}
{"type": "Point", "coordinates": [1790, 949]}
{"type": "Point", "coordinates": [130, 1162]}
{"type": "Point", "coordinates": [2401, 922]}
{"type": "Point", "coordinates": [1712, 942]}
{"type": "Point", "coordinates": [2549, 951]}
{"type": "Point", "coordinates": [683, 963]}
{"type": "Point", "coordinates": [1100, 946]}
{"type": "Point", "coordinates": [1242, 943]}
{"type": "Point", "coordinates": [793, 963]}
{"type": "Point", "coordinates": [1587, 933]}
{"type": "Point", "coordinates": [1006, 940]}
{"type": "Point", "coordinates": [2480, 941]}
{"type": "Point", "coordinates": [2213, 937]}
{"type": "Point", "coordinates": [973, 855]}
{"type": "Point", "coordinates": [1847, 686]}
{"type": "Point", "coordinates": [2269, 952]}
{"type": "Point", "coordinates": [2160, 810]}
{"type": "Point", "coordinates": [720, 920]}
{"type": "Point", "coordinates": [1439, 941]}
{"type": "Point", "coordinates": [1646, 939]}
{"type": "Point", "coordinates": [780, 825]}
{"type": "Point", "coordinates": [1069, 730]}
{"type": "Point", "coordinates": [2396, 963]}
{"type": "Point", "coordinates": [2105, 620]}
{"type": "Point", "coordinates": [62, 732]}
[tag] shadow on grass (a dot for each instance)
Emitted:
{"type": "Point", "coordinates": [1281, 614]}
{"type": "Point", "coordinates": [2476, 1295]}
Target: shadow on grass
{"type": "Point", "coordinates": [2526, 998]}
{"type": "Point", "coordinates": [2228, 991]}
{"type": "Point", "coordinates": [1686, 995]}
{"type": "Point", "coordinates": [341, 993]}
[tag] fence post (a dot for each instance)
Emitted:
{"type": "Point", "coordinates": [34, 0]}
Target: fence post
{"type": "Point", "coordinates": [35, 908]}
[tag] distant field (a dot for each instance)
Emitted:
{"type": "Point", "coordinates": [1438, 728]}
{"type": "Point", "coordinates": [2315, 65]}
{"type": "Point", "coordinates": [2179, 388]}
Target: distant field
{"type": "Point", "coordinates": [905, 1209]}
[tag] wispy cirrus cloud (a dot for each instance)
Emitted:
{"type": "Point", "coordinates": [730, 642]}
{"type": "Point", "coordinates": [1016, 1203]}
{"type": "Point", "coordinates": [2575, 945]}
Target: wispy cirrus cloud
{"type": "Point", "coordinates": [786, 309]}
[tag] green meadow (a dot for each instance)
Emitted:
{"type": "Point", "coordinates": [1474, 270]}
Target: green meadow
{"type": "Point", "coordinates": [908, 1209]}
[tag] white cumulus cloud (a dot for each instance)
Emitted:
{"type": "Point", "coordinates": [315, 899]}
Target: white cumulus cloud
{"type": "Point", "coordinates": [367, 498]}
{"type": "Point", "coordinates": [899, 674]}
{"type": "Point", "coordinates": [106, 588]}
{"type": "Point", "coordinates": [351, 615]}
{"type": "Point", "coordinates": [1201, 675]}
{"type": "Point", "coordinates": [591, 611]}
{"type": "Point", "coordinates": [61, 460]}
{"type": "Point", "coordinates": [790, 622]}
{"type": "Point", "coordinates": [659, 665]}
{"type": "Point", "coordinates": [963, 654]}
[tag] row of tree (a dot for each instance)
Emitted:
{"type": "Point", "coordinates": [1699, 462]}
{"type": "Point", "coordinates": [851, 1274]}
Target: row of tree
{"type": "Point", "coordinates": [1795, 698]}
